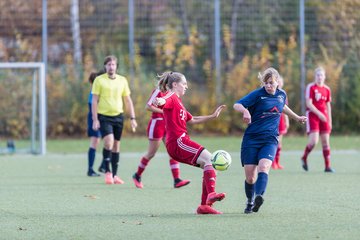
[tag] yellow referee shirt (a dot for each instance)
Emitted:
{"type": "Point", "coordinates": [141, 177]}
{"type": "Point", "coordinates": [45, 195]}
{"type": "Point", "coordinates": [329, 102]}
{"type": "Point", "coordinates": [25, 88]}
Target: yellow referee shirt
{"type": "Point", "coordinates": [111, 93]}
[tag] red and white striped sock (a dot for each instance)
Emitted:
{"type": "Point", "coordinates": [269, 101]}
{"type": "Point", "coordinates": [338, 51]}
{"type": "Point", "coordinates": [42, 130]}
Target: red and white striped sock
{"type": "Point", "coordinates": [142, 165]}
{"type": "Point", "coordinates": [175, 168]}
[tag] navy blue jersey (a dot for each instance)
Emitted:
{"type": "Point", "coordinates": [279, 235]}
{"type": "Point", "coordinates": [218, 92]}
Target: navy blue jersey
{"type": "Point", "coordinates": [90, 131]}
{"type": "Point", "coordinates": [90, 98]}
{"type": "Point", "coordinates": [265, 110]}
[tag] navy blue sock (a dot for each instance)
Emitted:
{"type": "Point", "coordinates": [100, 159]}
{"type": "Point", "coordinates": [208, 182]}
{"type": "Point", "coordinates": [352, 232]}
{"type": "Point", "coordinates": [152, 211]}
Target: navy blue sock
{"type": "Point", "coordinates": [107, 158]}
{"type": "Point", "coordinates": [261, 182]}
{"type": "Point", "coordinates": [91, 158]}
{"type": "Point", "coordinates": [249, 191]}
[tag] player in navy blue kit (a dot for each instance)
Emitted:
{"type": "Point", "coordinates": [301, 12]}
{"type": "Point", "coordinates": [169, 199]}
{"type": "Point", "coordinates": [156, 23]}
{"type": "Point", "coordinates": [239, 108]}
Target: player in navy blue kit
{"type": "Point", "coordinates": [261, 110]}
{"type": "Point", "coordinates": [94, 136]}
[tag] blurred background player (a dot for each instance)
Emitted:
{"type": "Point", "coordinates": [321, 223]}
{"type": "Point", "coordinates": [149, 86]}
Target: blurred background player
{"type": "Point", "coordinates": [261, 110]}
{"type": "Point", "coordinates": [318, 103]}
{"type": "Point", "coordinates": [109, 91]}
{"type": "Point", "coordinates": [178, 142]}
{"type": "Point", "coordinates": [283, 128]}
{"type": "Point", "coordinates": [92, 134]}
{"type": "Point", "coordinates": [156, 133]}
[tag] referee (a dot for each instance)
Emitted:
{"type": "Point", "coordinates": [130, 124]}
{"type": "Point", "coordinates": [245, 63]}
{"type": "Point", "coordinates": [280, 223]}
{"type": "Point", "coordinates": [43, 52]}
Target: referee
{"type": "Point", "coordinates": [110, 92]}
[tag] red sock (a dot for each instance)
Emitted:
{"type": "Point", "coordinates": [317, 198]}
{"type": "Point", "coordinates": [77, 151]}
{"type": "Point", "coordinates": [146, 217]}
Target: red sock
{"type": "Point", "coordinates": [209, 178]}
{"type": "Point", "coordinates": [326, 154]}
{"type": "Point", "coordinates": [175, 168]}
{"type": "Point", "coordinates": [277, 155]}
{"type": "Point", "coordinates": [307, 150]}
{"type": "Point", "coordinates": [204, 193]}
{"type": "Point", "coordinates": [142, 165]}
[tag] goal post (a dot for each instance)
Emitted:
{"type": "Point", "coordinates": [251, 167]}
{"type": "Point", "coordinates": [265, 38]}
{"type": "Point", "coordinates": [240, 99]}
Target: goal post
{"type": "Point", "coordinates": [38, 102]}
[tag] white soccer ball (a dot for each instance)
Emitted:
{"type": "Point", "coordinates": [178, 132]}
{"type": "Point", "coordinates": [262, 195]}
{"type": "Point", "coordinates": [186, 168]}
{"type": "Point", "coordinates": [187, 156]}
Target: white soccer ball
{"type": "Point", "coordinates": [221, 160]}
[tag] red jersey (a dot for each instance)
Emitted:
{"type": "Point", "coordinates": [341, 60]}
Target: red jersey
{"type": "Point", "coordinates": [176, 117]}
{"type": "Point", "coordinates": [155, 94]}
{"type": "Point", "coordinates": [282, 125]}
{"type": "Point", "coordinates": [320, 96]}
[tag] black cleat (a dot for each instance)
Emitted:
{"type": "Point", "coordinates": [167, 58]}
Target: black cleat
{"type": "Point", "coordinates": [178, 183]}
{"type": "Point", "coordinates": [329, 170]}
{"type": "Point", "coordinates": [259, 200]}
{"type": "Point", "coordinates": [304, 165]}
{"type": "Point", "coordinates": [248, 208]}
{"type": "Point", "coordinates": [102, 168]}
{"type": "Point", "coordinates": [93, 174]}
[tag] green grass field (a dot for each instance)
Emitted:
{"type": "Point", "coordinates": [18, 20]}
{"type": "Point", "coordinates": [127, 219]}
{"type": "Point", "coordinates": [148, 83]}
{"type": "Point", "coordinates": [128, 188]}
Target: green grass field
{"type": "Point", "coordinates": [50, 197]}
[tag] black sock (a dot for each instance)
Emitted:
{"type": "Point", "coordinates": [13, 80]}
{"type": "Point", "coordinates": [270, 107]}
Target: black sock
{"type": "Point", "coordinates": [107, 157]}
{"type": "Point", "coordinates": [115, 156]}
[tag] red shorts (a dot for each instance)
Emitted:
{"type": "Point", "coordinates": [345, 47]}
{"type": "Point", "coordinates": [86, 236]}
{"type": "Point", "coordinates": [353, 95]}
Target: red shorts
{"type": "Point", "coordinates": [314, 124]}
{"type": "Point", "coordinates": [156, 129]}
{"type": "Point", "coordinates": [184, 150]}
{"type": "Point", "coordinates": [282, 125]}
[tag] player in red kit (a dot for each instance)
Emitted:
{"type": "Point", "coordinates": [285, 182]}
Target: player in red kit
{"type": "Point", "coordinates": [283, 127]}
{"type": "Point", "coordinates": [156, 133]}
{"type": "Point", "coordinates": [318, 103]}
{"type": "Point", "coordinates": [178, 143]}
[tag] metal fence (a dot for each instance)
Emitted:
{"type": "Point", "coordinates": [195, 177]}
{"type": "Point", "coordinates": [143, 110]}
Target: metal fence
{"type": "Point", "coordinates": [205, 38]}
{"type": "Point", "coordinates": [252, 24]}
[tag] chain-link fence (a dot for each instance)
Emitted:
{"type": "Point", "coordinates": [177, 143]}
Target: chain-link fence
{"type": "Point", "coordinates": [217, 44]}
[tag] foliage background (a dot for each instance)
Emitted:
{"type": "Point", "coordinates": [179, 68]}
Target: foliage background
{"type": "Point", "coordinates": [179, 35]}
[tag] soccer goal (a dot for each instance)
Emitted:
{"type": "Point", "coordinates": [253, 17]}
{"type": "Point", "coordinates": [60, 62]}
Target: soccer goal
{"type": "Point", "coordinates": [23, 108]}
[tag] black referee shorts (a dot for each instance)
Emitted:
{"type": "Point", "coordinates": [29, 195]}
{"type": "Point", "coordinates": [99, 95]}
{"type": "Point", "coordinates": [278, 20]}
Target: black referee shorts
{"type": "Point", "coordinates": [111, 125]}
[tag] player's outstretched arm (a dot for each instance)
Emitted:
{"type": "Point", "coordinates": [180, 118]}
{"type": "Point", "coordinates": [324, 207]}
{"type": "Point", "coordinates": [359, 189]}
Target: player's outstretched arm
{"type": "Point", "coordinates": [201, 119]}
{"type": "Point", "coordinates": [290, 113]}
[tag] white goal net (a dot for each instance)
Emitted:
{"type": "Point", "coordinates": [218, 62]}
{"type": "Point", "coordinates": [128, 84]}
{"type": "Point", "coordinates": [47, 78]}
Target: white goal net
{"type": "Point", "coordinates": [23, 108]}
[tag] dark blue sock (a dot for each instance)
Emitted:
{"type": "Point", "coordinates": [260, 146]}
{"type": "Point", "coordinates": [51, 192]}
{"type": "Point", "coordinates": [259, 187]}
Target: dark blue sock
{"type": "Point", "coordinates": [91, 158]}
{"type": "Point", "coordinates": [249, 191]}
{"type": "Point", "coordinates": [261, 182]}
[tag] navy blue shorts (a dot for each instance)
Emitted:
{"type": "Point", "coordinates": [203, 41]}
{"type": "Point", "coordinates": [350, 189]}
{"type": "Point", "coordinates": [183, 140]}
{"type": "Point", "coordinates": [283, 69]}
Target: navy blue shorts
{"type": "Point", "coordinates": [252, 150]}
{"type": "Point", "coordinates": [90, 131]}
{"type": "Point", "coordinates": [111, 125]}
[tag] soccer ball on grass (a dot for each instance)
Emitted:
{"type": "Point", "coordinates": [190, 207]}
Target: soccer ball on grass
{"type": "Point", "coordinates": [221, 160]}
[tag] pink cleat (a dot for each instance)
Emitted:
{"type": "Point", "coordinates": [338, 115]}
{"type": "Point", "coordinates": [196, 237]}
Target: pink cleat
{"type": "Point", "coordinates": [206, 209]}
{"type": "Point", "coordinates": [118, 180]}
{"type": "Point", "coordinates": [109, 178]}
{"type": "Point", "coordinates": [137, 181]}
{"type": "Point", "coordinates": [274, 165]}
{"type": "Point", "coordinates": [280, 166]}
{"type": "Point", "coordinates": [213, 197]}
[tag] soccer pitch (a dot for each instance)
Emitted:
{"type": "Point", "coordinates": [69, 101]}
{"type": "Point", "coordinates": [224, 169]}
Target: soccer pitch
{"type": "Point", "coordinates": [50, 197]}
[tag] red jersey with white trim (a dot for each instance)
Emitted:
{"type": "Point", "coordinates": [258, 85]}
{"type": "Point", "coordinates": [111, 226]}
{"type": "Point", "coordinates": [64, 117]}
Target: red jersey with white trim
{"type": "Point", "coordinates": [176, 117]}
{"type": "Point", "coordinates": [156, 93]}
{"type": "Point", "coordinates": [282, 125]}
{"type": "Point", "coordinates": [320, 96]}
